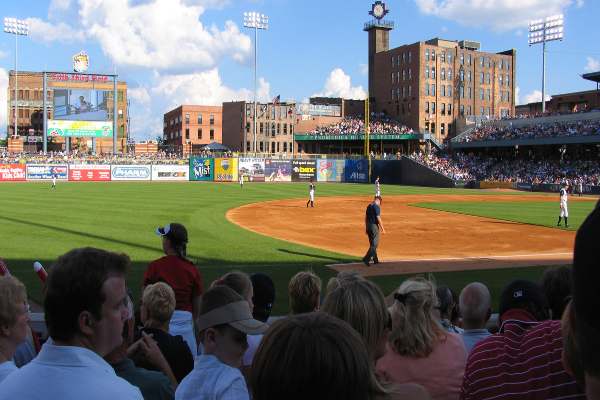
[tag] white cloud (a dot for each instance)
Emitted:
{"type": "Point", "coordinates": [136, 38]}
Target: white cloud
{"type": "Point", "coordinates": [3, 98]}
{"type": "Point", "coordinates": [364, 69]}
{"type": "Point", "coordinates": [3, 54]}
{"type": "Point", "coordinates": [579, 3]}
{"type": "Point", "coordinates": [161, 34]}
{"type": "Point", "coordinates": [50, 32]}
{"type": "Point", "coordinates": [500, 15]}
{"type": "Point", "coordinates": [339, 84]}
{"type": "Point", "coordinates": [592, 65]}
{"type": "Point", "coordinates": [139, 95]}
{"type": "Point", "coordinates": [534, 97]}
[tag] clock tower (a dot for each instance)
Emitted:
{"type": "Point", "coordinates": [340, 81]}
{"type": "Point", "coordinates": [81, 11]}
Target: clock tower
{"type": "Point", "coordinates": [379, 38]}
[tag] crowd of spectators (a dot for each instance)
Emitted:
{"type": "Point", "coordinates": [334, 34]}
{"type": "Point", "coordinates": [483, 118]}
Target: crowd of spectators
{"type": "Point", "coordinates": [467, 167]}
{"type": "Point", "coordinates": [350, 341]}
{"type": "Point", "coordinates": [353, 126]}
{"type": "Point", "coordinates": [492, 132]}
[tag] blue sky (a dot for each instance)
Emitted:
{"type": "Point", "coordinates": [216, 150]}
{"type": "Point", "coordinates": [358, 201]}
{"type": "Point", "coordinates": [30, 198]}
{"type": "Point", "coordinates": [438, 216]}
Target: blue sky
{"type": "Point", "coordinates": [197, 51]}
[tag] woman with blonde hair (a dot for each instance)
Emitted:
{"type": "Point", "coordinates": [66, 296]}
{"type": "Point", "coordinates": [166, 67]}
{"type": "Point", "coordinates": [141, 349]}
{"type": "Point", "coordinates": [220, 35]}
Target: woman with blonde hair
{"type": "Point", "coordinates": [14, 319]}
{"type": "Point", "coordinates": [360, 302]}
{"type": "Point", "coordinates": [419, 350]}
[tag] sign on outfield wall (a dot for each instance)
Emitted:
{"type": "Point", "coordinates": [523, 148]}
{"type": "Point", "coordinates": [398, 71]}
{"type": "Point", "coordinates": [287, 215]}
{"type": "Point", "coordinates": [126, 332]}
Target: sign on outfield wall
{"type": "Point", "coordinates": [356, 171]}
{"type": "Point", "coordinates": [35, 171]}
{"type": "Point", "coordinates": [226, 169]}
{"type": "Point", "coordinates": [330, 170]}
{"type": "Point", "coordinates": [80, 128]}
{"type": "Point", "coordinates": [278, 171]}
{"type": "Point", "coordinates": [253, 169]}
{"type": "Point", "coordinates": [170, 172]}
{"type": "Point", "coordinates": [201, 169]}
{"type": "Point", "coordinates": [304, 170]}
{"type": "Point", "coordinates": [89, 173]}
{"type": "Point", "coordinates": [130, 172]}
{"type": "Point", "coordinates": [12, 172]}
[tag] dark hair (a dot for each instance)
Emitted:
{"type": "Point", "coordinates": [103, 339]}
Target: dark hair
{"type": "Point", "coordinates": [75, 284]}
{"type": "Point", "coordinates": [525, 295]}
{"type": "Point", "coordinates": [264, 296]}
{"type": "Point", "coordinates": [446, 301]}
{"type": "Point", "coordinates": [178, 237]}
{"type": "Point", "coordinates": [557, 284]}
{"type": "Point", "coordinates": [326, 357]}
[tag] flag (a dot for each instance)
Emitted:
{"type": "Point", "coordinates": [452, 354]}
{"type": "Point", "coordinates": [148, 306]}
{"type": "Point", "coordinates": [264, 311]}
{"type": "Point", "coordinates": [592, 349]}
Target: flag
{"type": "Point", "coordinates": [276, 99]}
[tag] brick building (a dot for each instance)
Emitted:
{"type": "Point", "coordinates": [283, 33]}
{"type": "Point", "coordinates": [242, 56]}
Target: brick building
{"type": "Point", "coordinates": [430, 85]}
{"type": "Point", "coordinates": [187, 128]}
{"type": "Point", "coordinates": [274, 127]}
{"type": "Point", "coordinates": [30, 103]}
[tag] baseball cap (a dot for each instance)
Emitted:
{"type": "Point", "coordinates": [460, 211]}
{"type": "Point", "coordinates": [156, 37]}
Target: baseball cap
{"type": "Point", "coordinates": [521, 294]}
{"type": "Point", "coordinates": [237, 314]}
{"type": "Point", "coordinates": [173, 231]}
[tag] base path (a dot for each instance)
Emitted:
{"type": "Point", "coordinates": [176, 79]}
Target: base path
{"type": "Point", "coordinates": [417, 239]}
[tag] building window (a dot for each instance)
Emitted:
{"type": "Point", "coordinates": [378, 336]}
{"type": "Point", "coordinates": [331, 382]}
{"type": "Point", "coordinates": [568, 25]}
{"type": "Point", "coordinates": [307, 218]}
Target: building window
{"type": "Point", "coordinates": [481, 111]}
{"type": "Point", "coordinates": [211, 119]}
{"type": "Point", "coordinates": [427, 107]}
{"type": "Point", "coordinates": [278, 147]}
{"type": "Point", "coordinates": [481, 76]}
{"type": "Point", "coordinates": [273, 147]}
{"type": "Point", "coordinates": [409, 74]}
{"type": "Point", "coordinates": [462, 110]}
{"type": "Point", "coordinates": [409, 57]}
{"type": "Point", "coordinates": [449, 58]}
{"type": "Point", "coordinates": [403, 57]}
{"type": "Point", "coordinates": [481, 61]}
{"type": "Point", "coordinates": [187, 119]}
{"type": "Point", "coordinates": [393, 62]}
{"type": "Point", "coordinates": [212, 134]}
{"type": "Point", "coordinates": [433, 89]}
{"type": "Point", "coordinates": [285, 147]}
{"type": "Point", "coordinates": [393, 93]}
{"type": "Point", "coordinates": [426, 89]}
{"type": "Point", "coordinates": [187, 133]}
{"type": "Point", "coordinates": [449, 112]}
{"type": "Point", "coordinates": [261, 128]}
{"type": "Point", "coordinates": [461, 75]}
{"type": "Point", "coordinates": [462, 59]}
{"type": "Point", "coordinates": [443, 73]}
{"type": "Point", "coordinates": [273, 129]}
{"type": "Point", "coordinates": [403, 74]}
{"type": "Point", "coordinates": [487, 94]}
{"type": "Point", "coordinates": [443, 93]}
{"type": "Point", "coordinates": [199, 133]}
{"type": "Point", "coordinates": [398, 77]}
{"type": "Point", "coordinates": [501, 79]}
{"type": "Point", "coordinates": [427, 71]}
{"type": "Point", "coordinates": [469, 110]}
{"type": "Point", "coordinates": [278, 128]}
{"type": "Point", "coordinates": [443, 56]}
{"type": "Point", "coordinates": [426, 54]}
{"type": "Point", "coordinates": [433, 127]}
{"type": "Point", "coordinates": [462, 92]}
{"type": "Point", "coordinates": [432, 107]}
{"type": "Point", "coordinates": [393, 75]}
{"type": "Point", "coordinates": [443, 109]}
{"type": "Point", "coordinates": [469, 76]}
{"type": "Point", "coordinates": [261, 146]}
{"type": "Point", "coordinates": [432, 72]}
{"type": "Point", "coordinates": [199, 119]}
{"type": "Point", "coordinates": [487, 78]}
{"type": "Point", "coordinates": [285, 129]}
{"type": "Point", "coordinates": [442, 129]}
{"type": "Point", "coordinates": [449, 74]}
{"type": "Point", "coordinates": [409, 90]}
{"type": "Point", "coordinates": [507, 80]}
{"type": "Point", "coordinates": [469, 94]}
{"type": "Point", "coordinates": [247, 127]}
{"type": "Point", "coordinates": [468, 59]}
{"type": "Point", "coordinates": [480, 94]}
{"type": "Point", "coordinates": [449, 91]}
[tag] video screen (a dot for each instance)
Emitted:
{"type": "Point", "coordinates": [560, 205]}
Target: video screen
{"type": "Point", "coordinates": [81, 104]}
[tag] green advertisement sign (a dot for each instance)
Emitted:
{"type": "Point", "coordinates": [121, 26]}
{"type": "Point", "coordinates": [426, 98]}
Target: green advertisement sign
{"type": "Point", "coordinates": [80, 128]}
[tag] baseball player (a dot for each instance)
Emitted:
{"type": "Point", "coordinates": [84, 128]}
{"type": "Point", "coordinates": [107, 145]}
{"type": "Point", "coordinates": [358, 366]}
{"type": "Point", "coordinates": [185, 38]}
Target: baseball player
{"type": "Point", "coordinates": [242, 181]}
{"type": "Point", "coordinates": [53, 181]}
{"type": "Point", "coordinates": [311, 194]}
{"type": "Point", "coordinates": [580, 186]}
{"type": "Point", "coordinates": [564, 210]}
{"type": "Point", "coordinates": [377, 188]}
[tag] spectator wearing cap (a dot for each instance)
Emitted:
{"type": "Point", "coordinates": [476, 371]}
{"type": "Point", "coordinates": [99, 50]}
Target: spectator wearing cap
{"type": "Point", "coordinates": [85, 307]}
{"type": "Point", "coordinates": [523, 360]}
{"type": "Point", "coordinates": [360, 302]}
{"type": "Point", "coordinates": [182, 275]}
{"type": "Point", "coordinates": [419, 350]}
{"type": "Point", "coordinates": [304, 291]}
{"type": "Point", "coordinates": [158, 304]}
{"type": "Point", "coordinates": [557, 284]}
{"type": "Point", "coordinates": [586, 301]}
{"type": "Point", "coordinates": [14, 317]}
{"type": "Point", "coordinates": [224, 321]}
{"type": "Point", "coordinates": [154, 385]}
{"type": "Point", "coordinates": [475, 304]}
{"type": "Point", "coordinates": [263, 299]}
{"type": "Point", "coordinates": [313, 356]}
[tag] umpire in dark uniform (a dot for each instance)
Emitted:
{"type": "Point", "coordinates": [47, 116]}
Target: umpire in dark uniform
{"type": "Point", "coordinates": [373, 225]}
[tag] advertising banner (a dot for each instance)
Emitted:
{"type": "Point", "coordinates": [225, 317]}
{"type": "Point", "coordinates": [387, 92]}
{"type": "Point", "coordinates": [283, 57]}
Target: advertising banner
{"type": "Point", "coordinates": [35, 171]}
{"type": "Point", "coordinates": [304, 170]}
{"type": "Point", "coordinates": [89, 173]}
{"type": "Point", "coordinates": [12, 172]}
{"type": "Point", "coordinates": [226, 169]}
{"type": "Point", "coordinates": [130, 172]}
{"type": "Point", "coordinates": [253, 169]}
{"type": "Point", "coordinates": [201, 169]}
{"type": "Point", "coordinates": [356, 171]}
{"type": "Point", "coordinates": [170, 172]}
{"type": "Point", "coordinates": [330, 170]}
{"type": "Point", "coordinates": [278, 171]}
{"type": "Point", "coordinates": [80, 128]}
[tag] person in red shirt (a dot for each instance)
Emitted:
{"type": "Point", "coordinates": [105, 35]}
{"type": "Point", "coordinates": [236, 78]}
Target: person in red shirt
{"type": "Point", "coordinates": [184, 278]}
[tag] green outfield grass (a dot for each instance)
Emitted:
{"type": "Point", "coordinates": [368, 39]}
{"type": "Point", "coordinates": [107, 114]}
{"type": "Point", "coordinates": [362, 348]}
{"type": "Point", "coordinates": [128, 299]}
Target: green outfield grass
{"type": "Point", "coordinates": [541, 213]}
{"type": "Point", "coordinates": [40, 224]}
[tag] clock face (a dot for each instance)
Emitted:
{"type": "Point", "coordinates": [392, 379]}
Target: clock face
{"type": "Point", "coordinates": [378, 11]}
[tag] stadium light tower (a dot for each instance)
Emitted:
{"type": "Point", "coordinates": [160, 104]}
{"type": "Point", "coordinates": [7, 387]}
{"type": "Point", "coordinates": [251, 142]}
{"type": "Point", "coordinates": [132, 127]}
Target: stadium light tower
{"type": "Point", "coordinates": [17, 27]}
{"type": "Point", "coordinates": [256, 21]}
{"type": "Point", "coordinates": [542, 31]}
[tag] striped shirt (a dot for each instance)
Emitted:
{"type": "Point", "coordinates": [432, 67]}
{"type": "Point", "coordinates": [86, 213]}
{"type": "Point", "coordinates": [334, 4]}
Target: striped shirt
{"type": "Point", "coordinates": [522, 362]}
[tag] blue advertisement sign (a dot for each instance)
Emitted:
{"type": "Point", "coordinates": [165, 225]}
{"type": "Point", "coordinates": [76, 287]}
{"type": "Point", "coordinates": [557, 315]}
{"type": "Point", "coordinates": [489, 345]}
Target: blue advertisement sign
{"type": "Point", "coordinates": [202, 169]}
{"type": "Point", "coordinates": [35, 171]}
{"type": "Point", "coordinates": [356, 171]}
{"type": "Point", "coordinates": [330, 170]}
{"type": "Point", "coordinates": [278, 171]}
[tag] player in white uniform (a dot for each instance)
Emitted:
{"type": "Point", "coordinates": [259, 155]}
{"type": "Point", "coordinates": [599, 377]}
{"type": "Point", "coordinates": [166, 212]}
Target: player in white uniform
{"type": "Point", "coordinates": [377, 188]}
{"type": "Point", "coordinates": [53, 181]}
{"type": "Point", "coordinates": [242, 181]}
{"type": "Point", "coordinates": [564, 210]}
{"type": "Point", "coordinates": [311, 194]}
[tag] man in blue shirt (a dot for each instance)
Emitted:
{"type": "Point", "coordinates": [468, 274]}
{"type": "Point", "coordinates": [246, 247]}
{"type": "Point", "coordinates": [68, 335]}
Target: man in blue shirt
{"type": "Point", "coordinates": [373, 226]}
{"type": "Point", "coordinates": [85, 307]}
{"type": "Point", "coordinates": [475, 305]}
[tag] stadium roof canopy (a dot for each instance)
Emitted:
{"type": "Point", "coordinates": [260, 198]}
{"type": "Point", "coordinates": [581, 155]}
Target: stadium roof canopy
{"type": "Point", "coordinates": [592, 76]}
{"type": "Point", "coordinates": [214, 146]}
